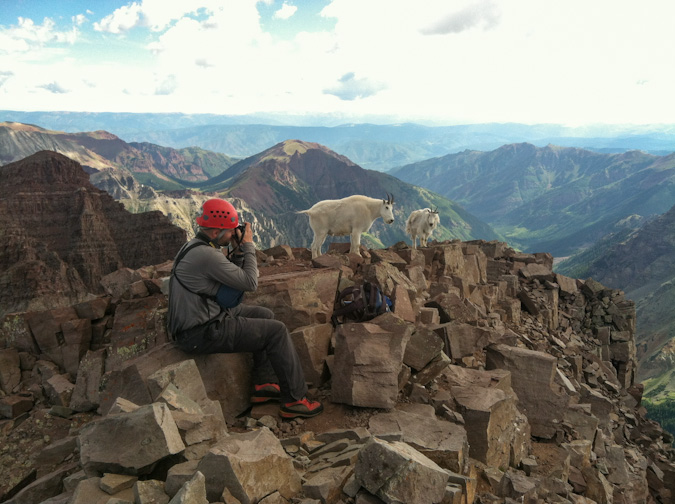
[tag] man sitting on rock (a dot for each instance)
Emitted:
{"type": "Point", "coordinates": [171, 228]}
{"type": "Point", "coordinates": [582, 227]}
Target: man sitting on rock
{"type": "Point", "coordinates": [206, 314]}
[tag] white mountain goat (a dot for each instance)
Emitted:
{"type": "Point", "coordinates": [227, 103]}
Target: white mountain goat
{"type": "Point", "coordinates": [421, 223]}
{"type": "Point", "coordinates": [352, 216]}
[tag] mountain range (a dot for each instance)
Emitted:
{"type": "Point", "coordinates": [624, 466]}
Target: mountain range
{"type": "Point", "coordinates": [111, 160]}
{"type": "Point", "coordinates": [553, 199]}
{"type": "Point", "coordinates": [269, 187]}
{"type": "Point", "coordinates": [373, 146]}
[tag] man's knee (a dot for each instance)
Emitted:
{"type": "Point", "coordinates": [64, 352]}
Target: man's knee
{"type": "Point", "coordinates": [266, 313]}
{"type": "Point", "coordinates": [279, 327]}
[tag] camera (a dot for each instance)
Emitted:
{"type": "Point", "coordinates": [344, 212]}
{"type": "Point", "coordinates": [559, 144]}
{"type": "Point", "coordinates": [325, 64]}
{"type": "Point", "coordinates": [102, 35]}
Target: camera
{"type": "Point", "coordinates": [241, 228]}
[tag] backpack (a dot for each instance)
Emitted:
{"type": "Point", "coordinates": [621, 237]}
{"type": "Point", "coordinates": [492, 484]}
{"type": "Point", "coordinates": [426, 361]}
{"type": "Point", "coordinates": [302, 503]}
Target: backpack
{"type": "Point", "coordinates": [359, 303]}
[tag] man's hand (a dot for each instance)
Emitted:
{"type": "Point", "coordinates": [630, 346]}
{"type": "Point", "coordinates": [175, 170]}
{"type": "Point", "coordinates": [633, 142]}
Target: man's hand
{"type": "Point", "coordinates": [248, 234]}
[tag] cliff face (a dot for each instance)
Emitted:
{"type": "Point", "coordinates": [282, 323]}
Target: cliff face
{"type": "Point", "coordinates": [642, 265]}
{"type": "Point", "coordinates": [643, 261]}
{"type": "Point", "coordinates": [61, 234]}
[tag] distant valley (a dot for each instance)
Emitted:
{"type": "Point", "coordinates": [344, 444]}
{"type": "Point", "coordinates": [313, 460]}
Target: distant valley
{"type": "Point", "coordinates": [551, 199]}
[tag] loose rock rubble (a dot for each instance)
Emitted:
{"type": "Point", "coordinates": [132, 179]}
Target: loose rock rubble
{"type": "Point", "coordinates": [493, 380]}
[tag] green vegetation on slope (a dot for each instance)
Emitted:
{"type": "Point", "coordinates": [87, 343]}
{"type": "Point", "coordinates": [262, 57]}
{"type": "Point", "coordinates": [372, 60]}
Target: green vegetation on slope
{"type": "Point", "coordinates": [578, 265]}
{"type": "Point", "coordinates": [663, 413]}
{"type": "Point", "coordinates": [157, 183]}
{"type": "Point", "coordinates": [659, 400]}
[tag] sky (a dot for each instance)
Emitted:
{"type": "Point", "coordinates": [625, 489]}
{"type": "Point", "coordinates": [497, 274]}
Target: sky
{"type": "Point", "coordinates": [572, 62]}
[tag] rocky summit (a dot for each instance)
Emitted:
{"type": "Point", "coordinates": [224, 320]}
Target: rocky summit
{"type": "Point", "coordinates": [493, 380]}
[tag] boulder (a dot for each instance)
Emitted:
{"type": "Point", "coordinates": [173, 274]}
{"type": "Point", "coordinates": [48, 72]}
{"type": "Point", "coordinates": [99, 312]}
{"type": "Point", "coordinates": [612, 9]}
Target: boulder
{"type": "Point", "coordinates": [368, 360]}
{"type": "Point", "coordinates": [422, 347]}
{"type": "Point", "coordinates": [15, 332]}
{"type": "Point", "coordinates": [86, 395]}
{"type": "Point", "coordinates": [499, 435]}
{"type": "Point", "coordinates": [313, 344]}
{"type": "Point", "coordinates": [225, 378]}
{"type": "Point", "coordinates": [250, 466]}
{"type": "Point", "coordinates": [396, 472]}
{"type": "Point", "coordinates": [192, 492]}
{"type": "Point", "coordinates": [532, 379]}
{"type": "Point", "coordinates": [150, 492]}
{"type": "Point", "coordinates": [138, 326]}
{"type": "Point", "coordinates": [90, 491]}
{"type": "Point", "coordinates": [10, 369]}
{"type": "Point", "coordinates": [441, 441]}
{"type": "Point", "coordinates": [129, 442]}
{"type": "Point", "coordinates": [298, 298]}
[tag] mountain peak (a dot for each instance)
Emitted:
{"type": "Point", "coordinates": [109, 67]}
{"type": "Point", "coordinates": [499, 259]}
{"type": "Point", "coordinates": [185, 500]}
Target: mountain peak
{"type": "Point", "coordinates": [45, 168]}
{"type": "Point", "coordinates": [16, 126]}
{"type": "Point", "coordinates": [285, 150]}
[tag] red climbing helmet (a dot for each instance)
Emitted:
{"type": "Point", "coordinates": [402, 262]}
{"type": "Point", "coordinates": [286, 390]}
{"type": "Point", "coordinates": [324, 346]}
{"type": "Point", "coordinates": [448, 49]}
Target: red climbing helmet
{"type": "Point", "coordinates": [218, 213]}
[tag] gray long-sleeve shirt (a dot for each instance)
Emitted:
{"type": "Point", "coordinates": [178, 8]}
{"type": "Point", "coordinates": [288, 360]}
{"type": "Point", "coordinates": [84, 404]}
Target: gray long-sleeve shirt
{"type": "Point", "coordinates": [202, 270]}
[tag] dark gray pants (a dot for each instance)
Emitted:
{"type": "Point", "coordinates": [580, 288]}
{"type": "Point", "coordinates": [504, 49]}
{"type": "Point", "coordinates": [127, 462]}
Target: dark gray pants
{"type": "Point", "coordinates": [252, 329]}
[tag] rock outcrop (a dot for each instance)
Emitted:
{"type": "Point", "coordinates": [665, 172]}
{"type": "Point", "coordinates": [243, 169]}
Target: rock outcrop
{"type": "Point", "coordinates": [61, 235]}
{"type": "Point", "coordinates": [493, 380]}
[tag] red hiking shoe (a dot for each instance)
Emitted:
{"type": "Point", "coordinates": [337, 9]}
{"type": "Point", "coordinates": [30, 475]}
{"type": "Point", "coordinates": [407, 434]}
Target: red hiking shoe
{"type": "Point", "coordinates": [302, 408]}
{"type": "Point", "coordinates": [266, 392]}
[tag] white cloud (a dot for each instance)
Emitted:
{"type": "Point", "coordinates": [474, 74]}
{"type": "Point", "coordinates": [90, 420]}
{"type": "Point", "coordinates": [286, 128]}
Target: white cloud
{"type": "Point", "coordinates": [123, 19]}
{"type": "Point", "coordinates": [27, 35]}
{"type": "Point", "coordinates": [483, 13]}
{"type": "Point", "coordinates": [4, 76]}
{"type": "Point", "coordinates": [286, 11]}
{"type": "Point", "coordinates": [203, 62]}
{"type": "Point", "coordinates": [167, 86]}
{"type": "Point", "coordinates": [459, 61]}
{"type": "Point", "coordinates": [351, 88]}
{"type": "Point", "coordinates": [79, 20]}
{"type": "Point", "coordinates": [159, 14]}
{"type": "Point", "coordinates": [54, 87]}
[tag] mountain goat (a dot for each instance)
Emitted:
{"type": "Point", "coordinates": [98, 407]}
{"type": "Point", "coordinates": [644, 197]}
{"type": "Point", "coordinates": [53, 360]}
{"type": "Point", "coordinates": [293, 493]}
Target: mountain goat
{"type": "Point", "coordinates": [352, 216]}
{"type": "Point", "coordinates": [421, 223]}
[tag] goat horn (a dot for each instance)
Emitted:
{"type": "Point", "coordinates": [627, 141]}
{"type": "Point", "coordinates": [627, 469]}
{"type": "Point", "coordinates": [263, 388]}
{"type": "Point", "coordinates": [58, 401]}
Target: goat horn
{"type": "Point", "coordinates": [388, 197]}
